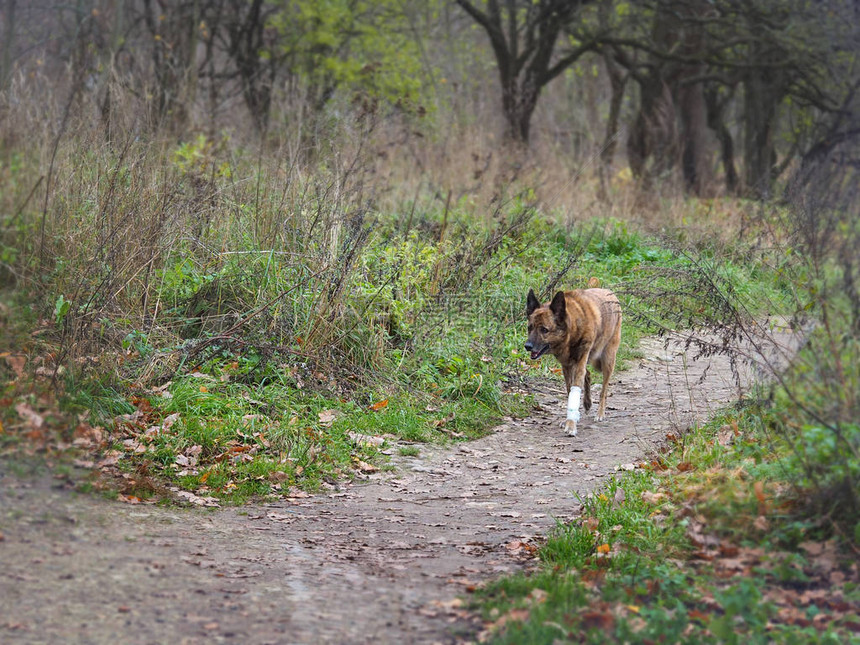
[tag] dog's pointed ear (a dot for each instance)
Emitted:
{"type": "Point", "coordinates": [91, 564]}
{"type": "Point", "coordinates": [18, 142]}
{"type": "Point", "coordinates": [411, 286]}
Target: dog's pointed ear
{"type": "Point", "coordinates": [532, 303]}
{"type": "Point", "coordinates": [558, 307]}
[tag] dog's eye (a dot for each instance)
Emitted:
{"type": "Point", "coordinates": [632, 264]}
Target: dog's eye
{"type": "Point", "coordinates": [543, 330]}
{"type": "Point", "coordinates": [531, 327]}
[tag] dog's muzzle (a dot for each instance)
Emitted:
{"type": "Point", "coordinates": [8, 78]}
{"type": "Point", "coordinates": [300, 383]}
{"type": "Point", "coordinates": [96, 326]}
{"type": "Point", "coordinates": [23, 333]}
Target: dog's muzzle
{"type": "Point", "coordinates": [535, 353]}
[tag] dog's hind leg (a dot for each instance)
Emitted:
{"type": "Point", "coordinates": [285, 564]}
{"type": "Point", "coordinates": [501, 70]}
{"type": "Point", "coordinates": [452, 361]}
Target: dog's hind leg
{"type": "Point", "coordinates": [607, 367]}
{"type": "Point", "coordinates": [586, 392]}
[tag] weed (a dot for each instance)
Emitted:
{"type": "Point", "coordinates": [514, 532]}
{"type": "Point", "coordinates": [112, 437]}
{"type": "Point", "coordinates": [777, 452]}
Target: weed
{"type": "Point", "coordinates": [680, 558]}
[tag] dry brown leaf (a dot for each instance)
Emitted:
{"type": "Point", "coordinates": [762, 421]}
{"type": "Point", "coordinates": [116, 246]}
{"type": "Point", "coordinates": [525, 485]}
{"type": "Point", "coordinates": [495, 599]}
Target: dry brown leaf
{"type": "Point", "coordinates": [365, 467]}
{"type": "Point", "coordinates": [17, 363]}
{"type": "Point", "coordinates": [30, 415]}
{"type": "Point", "coordinates": [376, 407]}
{"type": "Point", "coordinates": [365, 439]}
{"type": "Point", "coordinates": [758, 489]}
{"type": "Point", "coordinates": [538, 595]}
{"type": "Point", "coordinates": [87, 435]}
{"type": "Point", "coordinates": [327, 417]}
{"type": "Point", "coordinates": [520, 615]}
{"type": "Point", "coordinates": [652, 498]}
{"type": "Point", "coordinates": [601, 619]}
{"type": "Point", "coordinates": [196, 500]}
{"type": "Point", "coordinates": [812, 548]}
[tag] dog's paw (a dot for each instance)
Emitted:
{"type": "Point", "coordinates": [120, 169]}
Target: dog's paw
{"type": "Point", "coordinates": [570, 427]}
{"type": "Point", "coordinates": [600, 417]}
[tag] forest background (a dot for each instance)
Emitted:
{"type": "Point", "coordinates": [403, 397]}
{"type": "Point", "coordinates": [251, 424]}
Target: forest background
{"type": "Point", "coordinates": [262, 227]}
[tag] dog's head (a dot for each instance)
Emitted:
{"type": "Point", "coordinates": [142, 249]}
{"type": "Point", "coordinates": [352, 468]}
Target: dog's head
{"type": "Point", "coordinates": [547, 324]}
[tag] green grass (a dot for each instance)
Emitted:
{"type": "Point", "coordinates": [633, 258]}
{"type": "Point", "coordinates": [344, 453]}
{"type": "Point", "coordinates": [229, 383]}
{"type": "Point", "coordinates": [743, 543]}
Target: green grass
{"type": "Point", "coordinates": [246, 415]}
{"type": "Point", "coordinates": [660, 565]}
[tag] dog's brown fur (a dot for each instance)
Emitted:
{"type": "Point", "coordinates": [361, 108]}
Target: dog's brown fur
{"type": "Point", "coordinates": [577, 327]}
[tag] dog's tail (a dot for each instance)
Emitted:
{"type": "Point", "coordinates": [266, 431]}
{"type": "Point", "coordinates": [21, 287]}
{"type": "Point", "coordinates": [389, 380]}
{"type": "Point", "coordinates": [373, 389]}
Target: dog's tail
{"type": "Point", "coordinates": [593, 283]}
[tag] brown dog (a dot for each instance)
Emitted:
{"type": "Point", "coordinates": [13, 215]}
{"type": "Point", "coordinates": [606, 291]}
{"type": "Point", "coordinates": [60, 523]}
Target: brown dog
{"type": "Point", "coordinates": [577, 327]}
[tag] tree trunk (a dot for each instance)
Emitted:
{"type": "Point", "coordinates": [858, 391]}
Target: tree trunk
{"type": "Point", "coordinates": [8, 43]}
{"type": "Point", "coordinates": [761, 98]}
{"type": "Point", "coordinates": [695, 164]}
{"type": "Point", "coordinates": [716, 122]}
{"type": "Point", "coordinates": [694, 128]}
{"type": "Point", "coordinates": [652, 147]}
{"type": "Point", "coordinates": [618, 82]}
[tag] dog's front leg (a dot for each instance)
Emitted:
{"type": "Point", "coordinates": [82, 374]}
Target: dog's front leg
{"type": "Point", "coordinates": [574, 377]}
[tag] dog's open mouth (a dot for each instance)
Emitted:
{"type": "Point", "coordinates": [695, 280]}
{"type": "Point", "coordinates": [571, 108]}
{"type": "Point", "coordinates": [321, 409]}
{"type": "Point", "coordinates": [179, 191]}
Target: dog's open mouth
{"type": "Point", "coordinates": [536, 354]}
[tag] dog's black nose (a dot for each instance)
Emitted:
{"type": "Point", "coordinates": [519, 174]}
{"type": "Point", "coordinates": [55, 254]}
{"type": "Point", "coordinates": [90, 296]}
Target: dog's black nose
{"type": "Point", "coordinates": [529, 345]}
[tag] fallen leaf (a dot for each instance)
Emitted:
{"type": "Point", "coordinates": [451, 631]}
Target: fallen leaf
{"type": "Point", "coordinates": [652, 498]}
{"type": "Point", "coordinates": [758, 488]}
{"type": "Point", "coordinates": [538, 595]}
{"type": "Point", "coordinates": [365, 439]}
{"type": "Point", "coordinates": [87, 435]}
{"type": "Point", "coordinates": [17, 363]}
{"type": "Point", "coordinates": [728, 550]}
{"type": "Point", "coordinates": [365, 467]}
{"type": "Point", "coordinates": [603, 548]}
{"type": "Point", "coordinates": [198, 501]}
{"type": "Point", "coordinates": [761, 523]}
{"type": "Point", "coordinates": [685, 466]}
{"type": "Point", "coordinates": [169, 420]}
{"type": "Point", "coordinates": [376, 407]}
{"type": "Point", "coordinates": [520, 615]}
{"type": "Point", "coordinates": [619, 497]}
{"type": "Point", "coordinates": [326, 417]}
{"type": "Point", "coordinates": [601, 619]}
{"type": "Point", "coordinates": [725, 436]}
{"type": "Point", "coordinates": [30, 415]}
{"type": "Point", "coordinates": [812, 548]}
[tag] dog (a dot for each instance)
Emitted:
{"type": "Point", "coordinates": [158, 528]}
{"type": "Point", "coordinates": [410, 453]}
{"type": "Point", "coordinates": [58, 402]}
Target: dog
{"type": "Point", "coordinates": [577, 327]}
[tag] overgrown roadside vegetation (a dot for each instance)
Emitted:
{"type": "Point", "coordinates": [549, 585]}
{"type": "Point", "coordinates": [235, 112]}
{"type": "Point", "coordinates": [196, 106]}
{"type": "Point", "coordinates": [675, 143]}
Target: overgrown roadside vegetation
{"type": "Point", "coordinates": [247, 250]}
{"type": "Point", "coordinates": [288, 332]}
{"type": "Point", "coordinates": [745, 529]}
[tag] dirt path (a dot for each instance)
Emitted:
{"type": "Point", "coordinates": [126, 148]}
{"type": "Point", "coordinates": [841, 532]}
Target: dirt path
{"type": "Point", "coordinates": [375, 562]}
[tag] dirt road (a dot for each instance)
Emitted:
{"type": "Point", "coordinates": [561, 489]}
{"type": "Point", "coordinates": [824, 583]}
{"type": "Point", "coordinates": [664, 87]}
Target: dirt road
{"type": "Point", "coordinates": [374, 562]}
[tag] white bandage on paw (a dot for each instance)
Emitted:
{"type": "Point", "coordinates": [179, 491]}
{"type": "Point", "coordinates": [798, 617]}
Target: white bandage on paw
{"type": "Point", "coordinates": [573, 404]}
